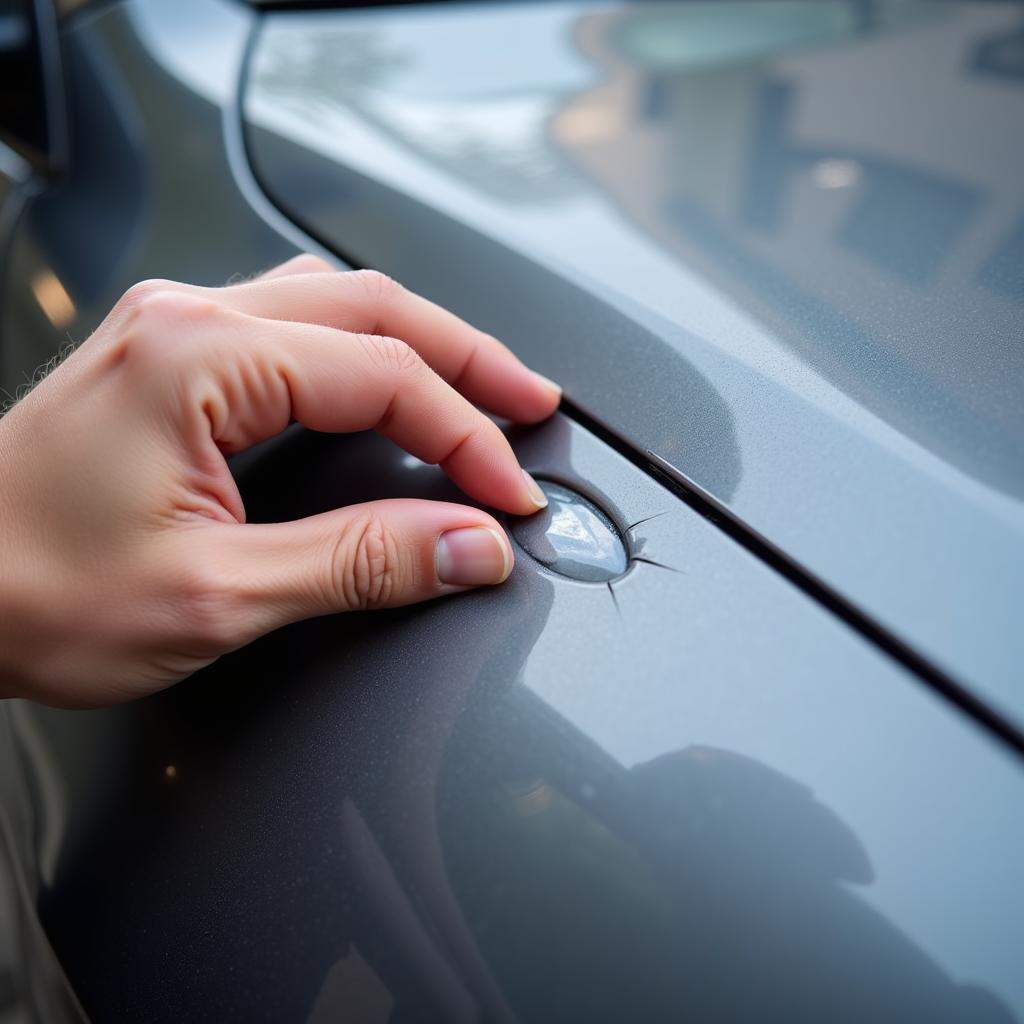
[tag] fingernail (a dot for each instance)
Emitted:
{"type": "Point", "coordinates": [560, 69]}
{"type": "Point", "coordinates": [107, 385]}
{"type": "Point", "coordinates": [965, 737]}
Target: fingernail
{"type": "Point", "coordinates": [548, 383]}
{"type": "Point", "coordinates": [537, 496]}
{"type": "Point", "coordinates": [472, 556]}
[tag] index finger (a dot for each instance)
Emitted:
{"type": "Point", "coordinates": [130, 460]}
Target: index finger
{"type": "Point", "coordinates": [367, 302]}
{"type": "Point", "coordinates": [234, 380]}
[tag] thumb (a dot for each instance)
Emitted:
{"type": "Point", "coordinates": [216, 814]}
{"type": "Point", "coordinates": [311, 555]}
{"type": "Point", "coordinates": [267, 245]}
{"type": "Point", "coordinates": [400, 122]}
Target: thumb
{"type": "Point", "coordinates": [381, 554]}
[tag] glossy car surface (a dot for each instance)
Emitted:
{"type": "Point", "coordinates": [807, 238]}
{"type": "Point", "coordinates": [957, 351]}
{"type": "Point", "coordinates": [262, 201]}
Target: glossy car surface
{"type": "Point", "coordinates": [773, 770]}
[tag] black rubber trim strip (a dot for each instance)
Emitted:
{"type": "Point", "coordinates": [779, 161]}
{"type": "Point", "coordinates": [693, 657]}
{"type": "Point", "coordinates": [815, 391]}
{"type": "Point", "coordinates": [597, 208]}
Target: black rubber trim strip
{"type": "Point", "coordinates": [765, 551]}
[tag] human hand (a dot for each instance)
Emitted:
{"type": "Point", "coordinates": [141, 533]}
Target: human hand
{"type": "Point", "coordinates": [125, 560]}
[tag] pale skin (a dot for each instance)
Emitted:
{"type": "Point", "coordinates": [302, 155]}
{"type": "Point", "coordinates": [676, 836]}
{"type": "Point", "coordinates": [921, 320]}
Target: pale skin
{"type": "Point", "coordinates": [126, 563]}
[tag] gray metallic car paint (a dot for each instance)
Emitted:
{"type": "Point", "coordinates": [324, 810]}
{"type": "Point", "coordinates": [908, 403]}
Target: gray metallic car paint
{"type": "Point", "coordinates": [778, 245]}
{"type": "Point", "coordinates": [704, 797]}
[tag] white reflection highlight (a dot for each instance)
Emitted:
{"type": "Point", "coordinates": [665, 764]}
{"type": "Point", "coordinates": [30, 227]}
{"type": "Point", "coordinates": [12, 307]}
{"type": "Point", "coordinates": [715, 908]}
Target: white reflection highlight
{"type": "Point", "coordinates": [833, 174]}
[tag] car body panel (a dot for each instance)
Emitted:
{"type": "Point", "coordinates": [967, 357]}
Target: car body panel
{"type": "Point", "coordinates": [698, 792]}
{"type": "Point", "coordinates": [696, 218]}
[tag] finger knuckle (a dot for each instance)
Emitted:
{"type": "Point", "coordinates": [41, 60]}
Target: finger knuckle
{"type": "Point", "coordinates": [307, 263]}
{"type": "Point", "coordinates": [366, 565]}
{"type": "Point", "coordinates": [207, 604]}
{"type": "Point", "coordinates": [480, 436]}
{"type": "Point", "coordinates": [173, 307]}
{"type": "Point", "coordinates": [142, 290]}
{"type": "Point", "coordinates": [157, 325]}
{"type": "Point", "coordinates": [484, 433]}
{"type": "Point", "coordinates": [380, 290]}
{"type": "Point", "coordinates": [392, 355]}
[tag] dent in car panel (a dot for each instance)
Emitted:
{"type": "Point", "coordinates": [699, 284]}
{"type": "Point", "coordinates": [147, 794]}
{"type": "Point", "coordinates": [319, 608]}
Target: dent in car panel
{"type": "Point", "coordinates": [572, 537]}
